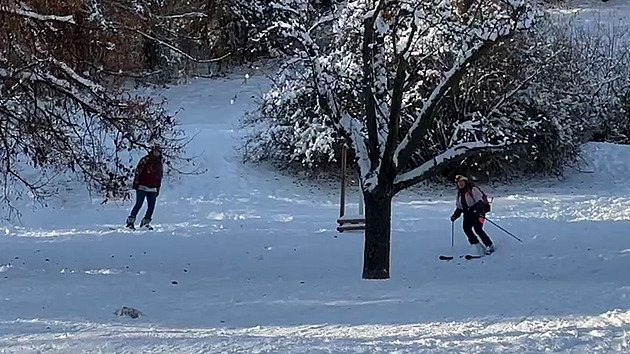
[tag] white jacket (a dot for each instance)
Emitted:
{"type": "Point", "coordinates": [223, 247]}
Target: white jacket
{"type": "Point", "coordinates": [472, 197]}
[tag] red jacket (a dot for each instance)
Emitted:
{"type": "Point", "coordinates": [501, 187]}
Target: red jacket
{"type": "Point", "coordinates": [149, 172]}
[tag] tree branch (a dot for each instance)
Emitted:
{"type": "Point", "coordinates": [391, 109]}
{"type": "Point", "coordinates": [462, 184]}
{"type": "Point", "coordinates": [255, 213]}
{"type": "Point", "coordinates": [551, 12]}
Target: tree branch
{"type": "Point", "coordinates": [36, 16]}
{"type": "Point", "coordinates": [369, 37]}
{"type": "Point", "coordinates": [184, 15]}
{"type": "Point", "coordinates": [394, 116]}
{"type": "Point", "coordinates": [470, 53]}
{"type": "Point", "coordinates": [434, 166]}
{"type": "Point", "coordinates": [353, 128]}
{"type": "Point", "coordinates": [174, 48]}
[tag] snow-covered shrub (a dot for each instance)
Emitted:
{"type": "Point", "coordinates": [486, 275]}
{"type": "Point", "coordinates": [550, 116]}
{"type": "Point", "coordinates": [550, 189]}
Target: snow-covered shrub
{"type": "Point", "coordinates": [572, 82]}
{"type": "Point", "coordinates": [291, 124]}
{"type": "Point", "coordinates": [617, 130]}
{"type": "Point", "coordinates": [301, 130]}
{"type": "Point", "coordinates": [609, 52]}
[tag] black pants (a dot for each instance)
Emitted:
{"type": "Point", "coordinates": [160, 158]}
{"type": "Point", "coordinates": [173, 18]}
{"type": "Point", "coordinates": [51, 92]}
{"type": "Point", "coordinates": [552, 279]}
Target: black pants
{"type": "Point", "coordinates": [471, 221]}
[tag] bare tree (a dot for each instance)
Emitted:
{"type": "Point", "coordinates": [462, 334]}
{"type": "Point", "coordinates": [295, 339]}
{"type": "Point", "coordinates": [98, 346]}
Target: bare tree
{"type": "Point", "coordinates": [61, 106]}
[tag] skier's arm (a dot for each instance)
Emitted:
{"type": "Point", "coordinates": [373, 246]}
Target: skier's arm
{"type": "Point", "coordinates": [139, 169]}
{"type": "Point", "coordinates": [458, 209]}
{"type": "Point", "coordinates": [456, 214]}
{"type": "Point", "coordinates": [160, 172]}
{"type": "Point", "coordinates": [478, 207]}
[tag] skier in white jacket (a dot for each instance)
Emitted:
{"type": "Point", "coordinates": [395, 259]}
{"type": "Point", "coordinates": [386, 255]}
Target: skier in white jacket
{"type": "Point", "coordinates": [470, 203]}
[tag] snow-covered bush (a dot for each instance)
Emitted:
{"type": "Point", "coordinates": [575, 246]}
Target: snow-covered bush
{"type": "Point", "coordinates": [290, 124]}
{"type": "Point", "coordinates": [617, 127]}
{"type": "Point", "coordinates": [576, 76]}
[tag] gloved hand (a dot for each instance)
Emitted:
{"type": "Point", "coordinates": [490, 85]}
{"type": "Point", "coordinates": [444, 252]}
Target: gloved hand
{"type": "Point", "coordinates": [480, 210]}
{"type": "Point", "coordinates": [157, 192]}
{"type": "Point", "coordinates": [456, 215]}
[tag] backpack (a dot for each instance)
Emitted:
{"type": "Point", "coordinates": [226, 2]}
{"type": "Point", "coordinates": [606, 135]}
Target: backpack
{"type": "Point", "coordinates": [486, 203]}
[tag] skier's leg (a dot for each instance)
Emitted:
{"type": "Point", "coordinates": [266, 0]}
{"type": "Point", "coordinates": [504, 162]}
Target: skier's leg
{"type": "Point", "coordinates": [140, 195]}
{"type": "Point", "coordinates": [151, 197]}
{"type": "Point", "coordinates": [482, 234]}
{"type": "Point", "coordinates": [468, 230]}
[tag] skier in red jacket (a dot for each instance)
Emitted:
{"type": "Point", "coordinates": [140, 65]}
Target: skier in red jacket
{"type": "Point", "coordinates": [147, 182]}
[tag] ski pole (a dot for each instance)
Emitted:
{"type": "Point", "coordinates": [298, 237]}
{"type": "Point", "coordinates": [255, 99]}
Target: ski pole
{"type": "Point", "coordinates": [452, 234]}
{"type": "Point", "coordinates": [504, 230]}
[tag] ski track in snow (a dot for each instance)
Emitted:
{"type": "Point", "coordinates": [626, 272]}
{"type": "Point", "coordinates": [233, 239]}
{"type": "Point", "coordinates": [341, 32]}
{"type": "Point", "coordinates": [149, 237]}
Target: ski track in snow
{"type": "Point", "coordinates": [597, 334]}
{"type": "Point", "coordinates": [245, 260]}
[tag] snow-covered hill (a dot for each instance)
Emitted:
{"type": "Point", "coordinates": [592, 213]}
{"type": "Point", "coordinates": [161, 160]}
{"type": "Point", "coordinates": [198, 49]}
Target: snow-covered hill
{"type": "Point", "coordinates": [611, 11]}
{"type": "Point", "coordinates": [259, 266]}
{"type": "Point", "coordinates": [246, 260]}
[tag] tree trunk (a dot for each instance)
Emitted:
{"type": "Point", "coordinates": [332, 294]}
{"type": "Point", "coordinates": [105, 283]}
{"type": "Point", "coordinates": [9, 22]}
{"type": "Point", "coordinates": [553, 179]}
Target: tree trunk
{"type": "Point", "coordinates": [378, 210]}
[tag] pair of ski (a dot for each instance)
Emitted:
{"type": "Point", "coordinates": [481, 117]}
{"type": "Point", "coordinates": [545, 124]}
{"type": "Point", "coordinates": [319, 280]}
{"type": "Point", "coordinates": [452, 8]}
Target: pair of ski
{"type": "Point", "coordinates": [133, 228]}
{"type": "Point", "coordinates": [467, 257]}
{"type": "Point", "coordinates": [128, 228]}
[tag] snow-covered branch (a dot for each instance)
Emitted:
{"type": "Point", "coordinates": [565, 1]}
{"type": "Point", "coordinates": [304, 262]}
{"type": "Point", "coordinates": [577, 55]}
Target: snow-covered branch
{"type": "Point", "coordinates": [353, 128]}
{"type": "Point", "coordinates": [370, 82]}
{"type": "Point", "coordinates": [322, 21]}
{"type": "Point", "coordinates": [411, 140]}
{"type": "Point", "coordinates": [496, 107]}
{"type": "Point", "coordinates": [282, 7]}
{"type": "Point", "coordinates": [434, 165]}
{"type": "Point", "coordinates": [302, 36]}
{"type": "Point", "coordinates": [184, 15]}
{"type": "Point", "coordinates": [91, 85]}
{"type": "Point", "coordinates": [37, 16]}
{"type": "Point", "coordinates": [474, 41]}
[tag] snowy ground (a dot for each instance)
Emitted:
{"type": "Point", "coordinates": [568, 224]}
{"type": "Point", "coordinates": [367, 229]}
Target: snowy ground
{"type": "Point", "coordinates": [259, 267]}
{"type": "Point", "coordinates": [612, 11]}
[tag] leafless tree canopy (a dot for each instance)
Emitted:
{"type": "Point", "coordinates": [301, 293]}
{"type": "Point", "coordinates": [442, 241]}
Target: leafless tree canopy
{"type": "Point", "coordinates": [60, 107]}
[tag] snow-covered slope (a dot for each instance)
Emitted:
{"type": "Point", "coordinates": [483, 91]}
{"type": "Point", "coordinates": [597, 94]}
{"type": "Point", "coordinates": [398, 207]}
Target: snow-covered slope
{"type": "Point", "coordinates": [613, 11]}
{"type": "Point", "coordinates": [259, 266]}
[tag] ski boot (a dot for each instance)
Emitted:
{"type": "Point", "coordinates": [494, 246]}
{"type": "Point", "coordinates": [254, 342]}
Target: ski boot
{"type": "Point", "coordinates": [478, 249]}
{"type": "Point", "coordinates": [130, 223]}
{"type": "Point", "coordinates": [490, 250]}
{"type": "Point", "coordinates": [145, 223]}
